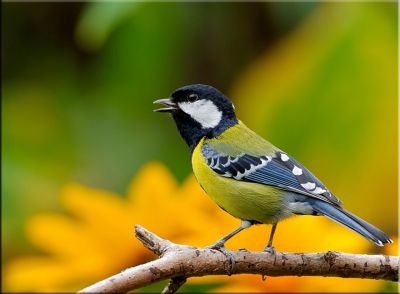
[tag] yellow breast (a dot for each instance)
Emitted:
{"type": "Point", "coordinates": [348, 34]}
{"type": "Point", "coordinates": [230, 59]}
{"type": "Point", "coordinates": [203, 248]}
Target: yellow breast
{"type": "Point", "coordinates": [244, 200]}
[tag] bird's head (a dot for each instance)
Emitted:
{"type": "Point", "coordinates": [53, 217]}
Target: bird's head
{"type": "Point", "coordinates": [199, 111]}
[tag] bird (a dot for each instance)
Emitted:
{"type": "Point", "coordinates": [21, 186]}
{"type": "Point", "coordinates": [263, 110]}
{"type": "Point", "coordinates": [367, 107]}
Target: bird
{"type": "Point", "coordinates": [246, 175]}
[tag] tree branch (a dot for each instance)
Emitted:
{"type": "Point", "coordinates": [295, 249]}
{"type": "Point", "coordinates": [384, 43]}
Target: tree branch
{"type": "Point", "coordinates": [178, 262]}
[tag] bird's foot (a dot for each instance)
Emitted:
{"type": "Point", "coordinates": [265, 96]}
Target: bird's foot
{"type": "Point", "coordinates": [228, 254]}
{"type": "Point", "coordinates": [216, 246]}
{"type": "Point", "coordinates": [270, 249]}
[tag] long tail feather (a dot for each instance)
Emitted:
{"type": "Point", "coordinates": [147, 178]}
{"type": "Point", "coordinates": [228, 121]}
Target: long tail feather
{"type": "Point", "coordinates": [351, 221]}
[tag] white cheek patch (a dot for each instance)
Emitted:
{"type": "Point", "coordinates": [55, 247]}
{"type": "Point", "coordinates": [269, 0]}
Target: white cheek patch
{"type": "Point", "coordinates": [203, 111]}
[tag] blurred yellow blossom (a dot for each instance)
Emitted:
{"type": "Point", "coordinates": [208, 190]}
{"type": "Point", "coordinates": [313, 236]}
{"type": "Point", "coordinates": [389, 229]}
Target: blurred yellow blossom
{"type": "Point", "coordinates": [94, 238]}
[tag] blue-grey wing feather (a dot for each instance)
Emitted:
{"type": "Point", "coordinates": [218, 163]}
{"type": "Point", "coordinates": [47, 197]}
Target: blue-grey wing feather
{"type": "Point", "coordinates": [277, 170]}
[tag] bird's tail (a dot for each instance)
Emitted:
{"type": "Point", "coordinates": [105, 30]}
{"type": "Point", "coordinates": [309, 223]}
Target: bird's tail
{"type": "Point", "coordinates": [351, 221]}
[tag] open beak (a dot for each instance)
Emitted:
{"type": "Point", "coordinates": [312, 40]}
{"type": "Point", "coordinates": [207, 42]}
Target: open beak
{"type": "Point", "coordinates": [171, 106]}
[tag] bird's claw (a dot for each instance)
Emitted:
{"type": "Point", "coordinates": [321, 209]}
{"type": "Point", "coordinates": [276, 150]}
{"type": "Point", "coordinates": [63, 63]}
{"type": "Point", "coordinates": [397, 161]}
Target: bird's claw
{"type": "Point", "coordinates": [270, 249]}
{"type": "Point", "coordinates": [229, 256]}
{"type": "Point", "coordinates": [216, 246]}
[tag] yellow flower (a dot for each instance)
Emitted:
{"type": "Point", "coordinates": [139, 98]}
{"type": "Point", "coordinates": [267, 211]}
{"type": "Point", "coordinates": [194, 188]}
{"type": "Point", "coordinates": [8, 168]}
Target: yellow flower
{"type": "Point", "coordinates": [94, 238]}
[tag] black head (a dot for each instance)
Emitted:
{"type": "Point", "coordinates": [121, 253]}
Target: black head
{"type": "Point", "coordinates": [199, 111]}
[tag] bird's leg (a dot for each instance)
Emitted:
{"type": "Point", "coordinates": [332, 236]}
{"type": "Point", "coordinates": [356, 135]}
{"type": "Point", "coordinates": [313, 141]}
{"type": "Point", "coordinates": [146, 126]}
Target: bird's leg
{"type": "Point", "coordinates": [219, 245]}
{"type": "Point", "coordinates": [269, 248]}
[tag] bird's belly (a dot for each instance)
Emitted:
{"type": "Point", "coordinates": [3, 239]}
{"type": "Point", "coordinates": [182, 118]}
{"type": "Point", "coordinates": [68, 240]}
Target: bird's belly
{"type": "Point", "coordinates": [244, 200]}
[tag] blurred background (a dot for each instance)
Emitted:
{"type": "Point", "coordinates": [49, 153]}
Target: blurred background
{"type": "Point", "coordinates": [319, 80]}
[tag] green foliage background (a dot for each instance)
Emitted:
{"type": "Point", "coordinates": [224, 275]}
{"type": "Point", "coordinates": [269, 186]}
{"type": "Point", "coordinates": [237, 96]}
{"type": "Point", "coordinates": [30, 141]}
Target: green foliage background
{"type": "Point", "coordinates": [319, 80]}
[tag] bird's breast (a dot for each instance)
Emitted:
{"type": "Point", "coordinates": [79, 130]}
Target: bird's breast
{"type": "Point", "coordinates": [244, 200]}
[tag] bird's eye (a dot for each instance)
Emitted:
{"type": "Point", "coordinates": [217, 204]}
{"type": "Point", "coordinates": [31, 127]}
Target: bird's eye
{"type": "Point", "coordinates": [192, 97]}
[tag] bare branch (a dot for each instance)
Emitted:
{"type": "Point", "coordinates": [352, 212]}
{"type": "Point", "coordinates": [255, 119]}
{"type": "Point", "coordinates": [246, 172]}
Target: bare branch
{"type": "Point", "coordinates": [178, 262]}
{"type": "Point", "coordinates": [174, 284]}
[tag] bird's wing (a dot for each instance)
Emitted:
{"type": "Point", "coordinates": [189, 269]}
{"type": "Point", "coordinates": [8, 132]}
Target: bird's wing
{"type": "Point", "coordinates": [277, 169]}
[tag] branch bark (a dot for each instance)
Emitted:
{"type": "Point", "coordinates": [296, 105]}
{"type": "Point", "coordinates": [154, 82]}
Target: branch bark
{"type": "Point", "coordinates": [178, 262]}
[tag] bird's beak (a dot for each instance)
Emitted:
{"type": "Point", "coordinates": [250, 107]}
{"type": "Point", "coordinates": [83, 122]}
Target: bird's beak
{"type": "Point", "coordinates": [167, 102]}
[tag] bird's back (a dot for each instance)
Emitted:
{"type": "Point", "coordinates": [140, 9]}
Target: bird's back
{"type": "Point", "coordinates": [240, 139]}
